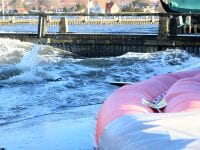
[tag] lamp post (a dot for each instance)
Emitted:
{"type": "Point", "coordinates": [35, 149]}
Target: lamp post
{"type": "Point", "coordinates": [2, 8]}
{"type": "Point", "coordinates": [125, 5]}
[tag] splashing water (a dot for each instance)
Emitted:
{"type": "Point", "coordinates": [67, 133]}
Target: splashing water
{"type": "Point", "coordinates": [30, 59]}
{"type": "Point", "coordinates": [29, 69]}
{"type": "Point", "coordinates": [12, 51]}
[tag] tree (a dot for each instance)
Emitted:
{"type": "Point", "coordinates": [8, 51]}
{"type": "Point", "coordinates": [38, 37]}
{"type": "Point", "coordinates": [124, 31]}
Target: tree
{"type": "Point", "coordinates": [80, 6]}
{"type": "Point", "coordinates": [128, 8]}
{"type": "Point", "coordinates": [65, 9]}
{"type": "Point", "coordinates": [135, 2]}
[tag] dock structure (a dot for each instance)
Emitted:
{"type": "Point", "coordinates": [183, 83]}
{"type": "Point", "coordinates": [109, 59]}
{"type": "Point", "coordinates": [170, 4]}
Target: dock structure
{"type": "Point", "coordinates": [171, 34]}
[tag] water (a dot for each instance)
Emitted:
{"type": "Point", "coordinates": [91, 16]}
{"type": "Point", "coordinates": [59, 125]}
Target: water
{"type": "Point", "coordinates": [86, 28]}
{"type": "Point", "coordinates": [38, 80]}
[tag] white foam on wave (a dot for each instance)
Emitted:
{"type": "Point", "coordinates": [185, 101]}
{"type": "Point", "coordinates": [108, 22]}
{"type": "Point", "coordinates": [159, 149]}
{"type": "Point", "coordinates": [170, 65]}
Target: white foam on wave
{"type": "Point", "coordinates": [137, 55]}
{"type": "Point", "coordinates": [25, 77]}
{"type": "Point", "coordinates": [30, 59]}
{"type": "Point", "coordinates": [11, 50]}
{"type": "Point", "coordinates": [171, 60]}
{"type": "Point", "coordinates": [17, 52]}
{"type": "Point", "coordinates": [132, 66]}
{"type": "Point", "coordinates": [179, 59]}
{"type": "Point", "coordinates": [31, 68]}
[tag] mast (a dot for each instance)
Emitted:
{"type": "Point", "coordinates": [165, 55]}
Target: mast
{"type": "Point", "coordinates": [88, 9]}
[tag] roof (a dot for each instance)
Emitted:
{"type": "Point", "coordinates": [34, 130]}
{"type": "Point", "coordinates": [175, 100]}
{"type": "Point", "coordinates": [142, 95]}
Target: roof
{"type": "Point", "coordinates": [109, 5]}
{"type": "Point", "coordinates": [21, 10]}
{"type": "Point", "coordinates": [101, 3]}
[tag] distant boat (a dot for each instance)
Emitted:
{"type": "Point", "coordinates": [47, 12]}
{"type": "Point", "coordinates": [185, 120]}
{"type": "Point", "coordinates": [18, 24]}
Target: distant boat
{"type": "Point", "coordinates": [181, 6]}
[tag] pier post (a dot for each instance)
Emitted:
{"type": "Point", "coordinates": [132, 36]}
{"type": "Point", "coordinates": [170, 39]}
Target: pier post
{"type": "Point", "coordinates": [40, 18]}
{"type": "Point", "coordinates": [42, 26]}
{"type": "Point", "coordinates": [195, 29]}
{"type": "Point", "coordinates": [45, 26]}
{"type": "Point", "coordinates": [184, 29]}
{"type": "Point", "coordinates": [63, 25]}
{"type": "Point", "coordinates": [13, 20]}
{"type": "Point", "coordinates": [163, 28]}
{"type": "Point", "coordinates": [173, 26]}
{"type": "Point", "coordinates": [189, 24]}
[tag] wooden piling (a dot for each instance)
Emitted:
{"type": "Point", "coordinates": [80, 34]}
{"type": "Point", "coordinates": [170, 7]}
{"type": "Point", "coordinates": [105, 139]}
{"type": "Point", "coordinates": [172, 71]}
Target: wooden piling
{"type": "Point", "coordinates": [189, 24]}
{"type": "Point", "coordinates": [195, 29]}
{"type": "Point", "coordinates": [63, 25]}
{"type": "Point", "coordinates": [42, 26]}
{"type": "Point", "coordinates": [163, 28]}
{"type": "Point", "coordinates": [40, 18]}
{"type": "Point", "coordinates": [45, 26]}
{"type": "Point", "coordinates": [184, 29]}
{"type": "Point", "coordinates": [173, 26]}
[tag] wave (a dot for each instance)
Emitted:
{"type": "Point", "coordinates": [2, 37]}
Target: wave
{"type": "Point", "coordinates": [33, 63]}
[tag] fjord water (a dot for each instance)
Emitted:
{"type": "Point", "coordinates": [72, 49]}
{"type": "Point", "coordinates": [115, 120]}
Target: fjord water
{"type": "Point", "coordinates": [128, 29]}
{"type": "Point", "coordinates": [38, 80]}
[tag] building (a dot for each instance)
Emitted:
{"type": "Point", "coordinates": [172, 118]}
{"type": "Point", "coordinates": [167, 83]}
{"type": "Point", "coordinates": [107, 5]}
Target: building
{"type": "Point", "coordinates": [98, 6]}
{"type": "Point", "coordinates": [112, 8]}
{"type": "Point", "coordinates": [145, 7]}
{"type": "Point", "coordinates": [22, 11]}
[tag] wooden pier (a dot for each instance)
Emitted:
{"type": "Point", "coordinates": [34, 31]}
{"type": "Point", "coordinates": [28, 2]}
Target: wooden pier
{"type": "Point", "coordinates": [170, 35]}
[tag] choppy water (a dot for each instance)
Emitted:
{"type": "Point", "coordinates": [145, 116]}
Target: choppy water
{"type": "Point", "coordinates": [36, 80]}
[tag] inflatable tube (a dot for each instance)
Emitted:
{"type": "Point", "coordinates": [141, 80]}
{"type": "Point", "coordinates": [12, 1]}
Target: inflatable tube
{"type": "Point", "coordinates": [127, 99]}
{"type": "Point", "coordinates": [184, 95]}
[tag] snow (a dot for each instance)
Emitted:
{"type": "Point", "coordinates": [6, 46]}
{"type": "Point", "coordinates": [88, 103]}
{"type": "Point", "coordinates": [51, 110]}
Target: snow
{"type": "Point", "coordinates": [155, 131]}
{"type": "Point", "coordinates": [72, 129]}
